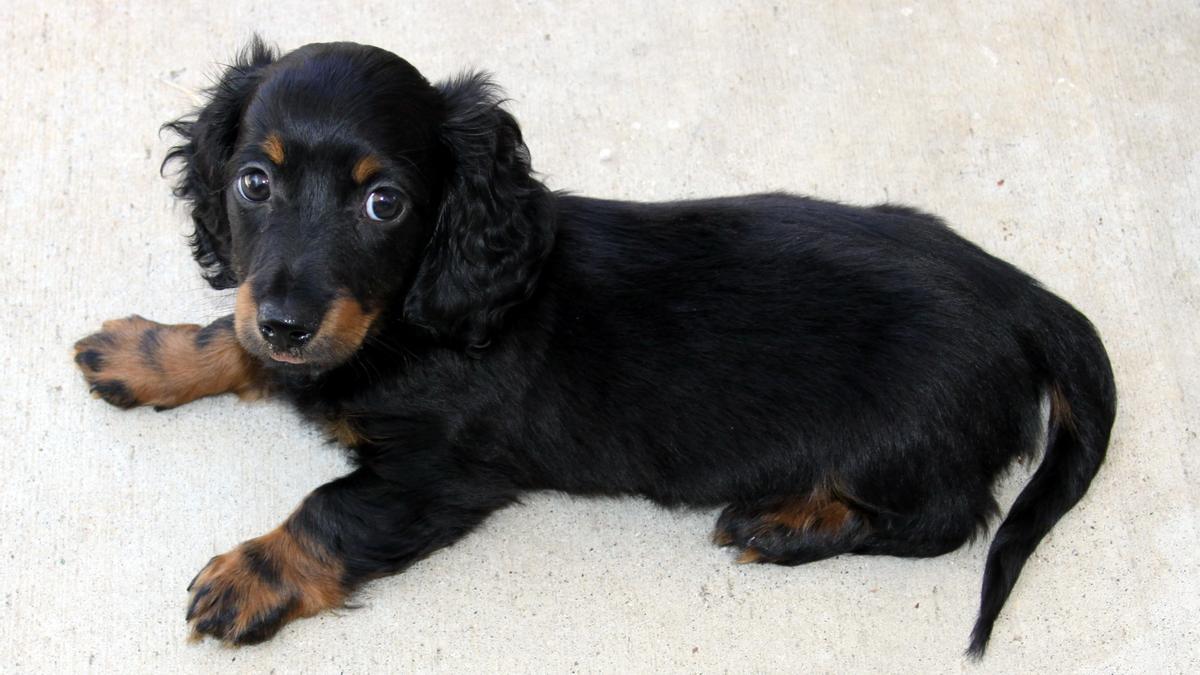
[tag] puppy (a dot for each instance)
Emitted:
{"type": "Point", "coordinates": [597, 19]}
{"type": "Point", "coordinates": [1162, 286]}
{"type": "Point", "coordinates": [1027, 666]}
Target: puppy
{"type": "Point", "coordinates": [839, 379]}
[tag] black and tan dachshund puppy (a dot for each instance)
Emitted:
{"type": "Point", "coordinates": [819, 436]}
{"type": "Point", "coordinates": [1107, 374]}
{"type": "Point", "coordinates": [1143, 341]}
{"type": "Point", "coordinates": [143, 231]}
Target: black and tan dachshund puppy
{"type": "Point", "coordinates": [840, 379]}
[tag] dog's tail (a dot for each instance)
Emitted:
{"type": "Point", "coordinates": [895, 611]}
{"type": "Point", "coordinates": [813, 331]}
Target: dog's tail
{"type": "Point", "coordinates": [1070, 359]}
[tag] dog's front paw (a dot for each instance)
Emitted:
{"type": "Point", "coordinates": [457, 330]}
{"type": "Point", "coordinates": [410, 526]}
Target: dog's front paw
{"type": "Point", "coordinates": [234, 603]}
{"type": "Point", "coordinates": [245, 596]}
{"type": "Point", "coordinates": [123, 363]}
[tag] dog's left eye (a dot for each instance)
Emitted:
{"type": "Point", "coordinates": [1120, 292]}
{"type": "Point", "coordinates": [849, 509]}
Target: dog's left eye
{"type": "Point", "coordinates": [383, 204]}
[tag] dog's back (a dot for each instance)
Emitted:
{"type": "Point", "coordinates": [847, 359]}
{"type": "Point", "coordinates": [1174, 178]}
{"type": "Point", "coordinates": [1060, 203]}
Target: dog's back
{"type": "Point", "coordinates": [770, 345]}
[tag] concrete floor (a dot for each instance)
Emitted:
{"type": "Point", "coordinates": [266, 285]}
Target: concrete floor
{"type": "Point", "coordinates": [1062, 140]}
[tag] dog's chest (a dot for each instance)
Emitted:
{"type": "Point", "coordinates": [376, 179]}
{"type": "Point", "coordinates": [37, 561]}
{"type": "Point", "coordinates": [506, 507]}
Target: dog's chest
{"type": "Point", "coordinates": [343, 431]}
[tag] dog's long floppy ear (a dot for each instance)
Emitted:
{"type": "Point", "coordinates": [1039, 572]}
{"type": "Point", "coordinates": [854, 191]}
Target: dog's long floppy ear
{"type": "Point", "coordinates": [493, 230]}
{"type": "Point", "coordinates": [208, 140]}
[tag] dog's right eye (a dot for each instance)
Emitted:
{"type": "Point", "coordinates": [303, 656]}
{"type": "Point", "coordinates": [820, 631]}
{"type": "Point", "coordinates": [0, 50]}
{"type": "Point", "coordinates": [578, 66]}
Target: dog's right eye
{"type": "Point", "coordinates": [254, 185]}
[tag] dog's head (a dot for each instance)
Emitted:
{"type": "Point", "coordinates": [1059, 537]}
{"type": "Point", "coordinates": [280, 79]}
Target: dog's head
{"type": "Point", "coordinates": [337, 189]}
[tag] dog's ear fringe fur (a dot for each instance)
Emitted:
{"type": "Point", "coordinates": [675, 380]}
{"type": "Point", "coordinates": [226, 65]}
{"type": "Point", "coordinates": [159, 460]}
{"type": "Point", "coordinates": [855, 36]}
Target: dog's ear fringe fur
{"type": "Point", "coordinates": [208, 137]}
{"type": "Point", "coordinates": [494, 229]}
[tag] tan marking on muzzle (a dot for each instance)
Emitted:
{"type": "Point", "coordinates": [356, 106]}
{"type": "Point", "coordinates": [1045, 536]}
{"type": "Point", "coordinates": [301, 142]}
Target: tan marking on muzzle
{"type": "Point", "coordinates": [342, 330]}
{"type": "Point", "coordinates": [245, 314]}
{"type": "Point", "coordinates": [345, 324]}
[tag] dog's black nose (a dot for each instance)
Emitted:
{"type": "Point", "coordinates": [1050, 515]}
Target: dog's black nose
{"type": "Point", "coordinates": [280, 330]}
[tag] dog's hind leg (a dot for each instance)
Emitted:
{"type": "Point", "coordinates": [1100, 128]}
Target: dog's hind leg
{"type": "Point", "coordinates": [134, 361]}
{"type": "Point", "coordinates": [793, 530]}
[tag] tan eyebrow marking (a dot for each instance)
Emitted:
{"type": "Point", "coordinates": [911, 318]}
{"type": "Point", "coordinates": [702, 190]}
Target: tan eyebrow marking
{"type": "Point", "coordinates": [273, 146]}
{"type": "Point", "coordinates": [365, 168]}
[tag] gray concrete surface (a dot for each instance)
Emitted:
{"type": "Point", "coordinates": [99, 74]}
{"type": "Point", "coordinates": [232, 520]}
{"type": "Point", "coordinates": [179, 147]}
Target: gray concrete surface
{"type": "Point", "coordinates": [1063, 139]}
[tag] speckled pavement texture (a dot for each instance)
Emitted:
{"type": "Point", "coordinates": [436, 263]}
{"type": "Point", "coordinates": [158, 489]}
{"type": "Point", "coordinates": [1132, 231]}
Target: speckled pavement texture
{"type": "Point", "coordinates": [1064, 140]}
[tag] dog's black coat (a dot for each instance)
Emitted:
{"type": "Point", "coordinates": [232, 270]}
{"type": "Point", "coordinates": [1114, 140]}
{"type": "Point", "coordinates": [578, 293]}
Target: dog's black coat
{"type": "Point", "coordinates": [732, 351]}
